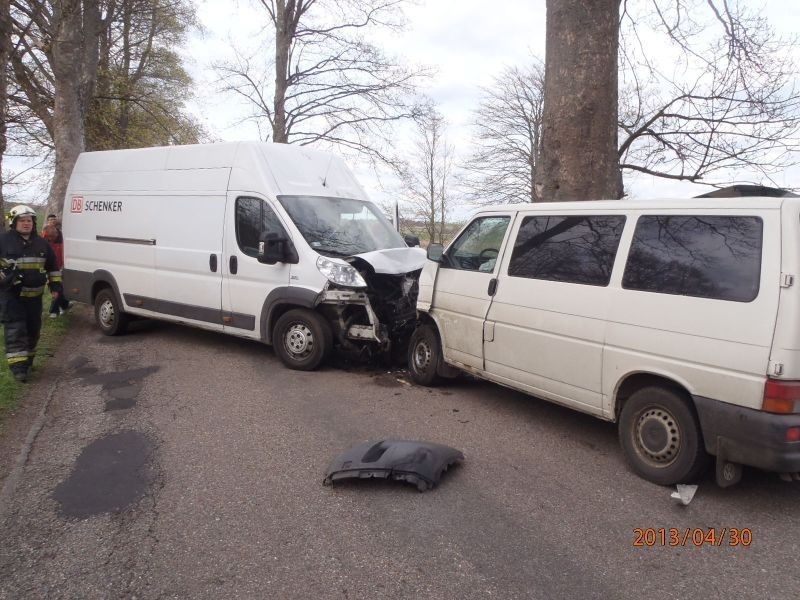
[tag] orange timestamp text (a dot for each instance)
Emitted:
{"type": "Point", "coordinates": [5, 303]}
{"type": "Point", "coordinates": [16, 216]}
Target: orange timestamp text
{"type": "Point", "coordinates": [692, 536]}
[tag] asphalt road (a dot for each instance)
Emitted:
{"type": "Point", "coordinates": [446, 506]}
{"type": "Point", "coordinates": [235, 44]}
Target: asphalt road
{"type": "Point", "coordinates": [177, 463]}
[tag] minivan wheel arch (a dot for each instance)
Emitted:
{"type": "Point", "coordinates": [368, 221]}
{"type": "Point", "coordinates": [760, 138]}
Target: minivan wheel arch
{"type": "Point", "coordinates": [636, 381]}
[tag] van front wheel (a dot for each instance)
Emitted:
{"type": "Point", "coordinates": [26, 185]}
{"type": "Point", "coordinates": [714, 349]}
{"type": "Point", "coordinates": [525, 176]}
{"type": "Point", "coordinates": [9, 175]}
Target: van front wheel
{"type": "Point", "coordinates": [661, 437]}
{"type": "Point", "coordinates": [424, 355]}
{"type": "Point", "coordinates": [302, 339]}
{"type": "Point", "coordinates": [108, 313]}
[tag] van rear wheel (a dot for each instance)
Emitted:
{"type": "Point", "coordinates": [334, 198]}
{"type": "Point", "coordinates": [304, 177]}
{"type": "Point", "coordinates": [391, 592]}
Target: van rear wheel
{"type": "Point", "coordinates": [108, 313]}
{"type": "Point", "coordinates": [302, 339]}
{"type": "Point", "coordinates": [661, 437]}
{"type": "Point", "coordinates": [424, 355]}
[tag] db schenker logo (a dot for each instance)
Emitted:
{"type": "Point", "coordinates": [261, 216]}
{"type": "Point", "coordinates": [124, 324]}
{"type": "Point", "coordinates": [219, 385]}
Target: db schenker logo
{"type": "Point", "coordinates": [77, 204]}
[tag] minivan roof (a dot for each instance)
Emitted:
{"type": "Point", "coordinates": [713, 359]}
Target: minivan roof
{"type": "Point", "coordinates": [749, 202]}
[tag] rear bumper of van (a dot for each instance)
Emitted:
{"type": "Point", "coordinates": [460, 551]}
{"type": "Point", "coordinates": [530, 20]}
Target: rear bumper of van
{"type": "Point", "coordinates": [748, 436]}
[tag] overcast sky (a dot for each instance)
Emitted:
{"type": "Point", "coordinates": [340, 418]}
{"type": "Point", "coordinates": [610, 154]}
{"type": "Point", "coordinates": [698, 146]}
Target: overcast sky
{"type": "Point", "coordinates": [466, 41]}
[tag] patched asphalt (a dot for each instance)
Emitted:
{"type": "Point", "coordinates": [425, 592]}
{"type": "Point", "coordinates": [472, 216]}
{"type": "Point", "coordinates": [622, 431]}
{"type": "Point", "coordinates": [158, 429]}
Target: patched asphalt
{"type": "Point", "coordinates": [110, 475]}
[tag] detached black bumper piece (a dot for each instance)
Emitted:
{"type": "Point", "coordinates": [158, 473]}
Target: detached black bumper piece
{"type": "Point", "coordinates": [418, 463]}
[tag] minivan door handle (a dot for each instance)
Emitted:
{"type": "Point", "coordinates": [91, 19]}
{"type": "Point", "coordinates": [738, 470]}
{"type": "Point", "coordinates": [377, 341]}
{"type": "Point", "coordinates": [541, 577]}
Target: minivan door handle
{"type": "Point", "coordinates": [492, 286]}
{"type": "Point", "coordinates": [233, 265]}
{"type": "Point", "coordinates": [212, 263]}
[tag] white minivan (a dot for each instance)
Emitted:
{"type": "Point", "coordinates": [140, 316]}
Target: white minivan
{"type": "Point", "coordinates": [272, 242]}
{"type": "Point", "coordinates": [677, 319]}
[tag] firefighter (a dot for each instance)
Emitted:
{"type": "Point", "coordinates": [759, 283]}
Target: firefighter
{"type": "Point", "coordinates": [27, 262]}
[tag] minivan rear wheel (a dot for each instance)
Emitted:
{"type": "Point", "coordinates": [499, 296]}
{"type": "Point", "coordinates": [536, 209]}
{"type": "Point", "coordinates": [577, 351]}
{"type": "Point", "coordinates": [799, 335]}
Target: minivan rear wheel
{"type": "Point", "coordinates": [108, 313]}
{"type": "Point", "coordinates": [424, 355]}
{"type": "Point", "coordinates": [302, 339]}
{"type": "Point", "coordinates": [661, 437]}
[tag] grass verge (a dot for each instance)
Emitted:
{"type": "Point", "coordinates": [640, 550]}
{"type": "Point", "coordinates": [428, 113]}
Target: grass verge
{"type": "Point", "coordinates": [52, 331]}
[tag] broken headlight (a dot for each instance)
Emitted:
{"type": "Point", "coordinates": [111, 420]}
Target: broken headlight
{"type": "Point", "coordinates": [339, 272]}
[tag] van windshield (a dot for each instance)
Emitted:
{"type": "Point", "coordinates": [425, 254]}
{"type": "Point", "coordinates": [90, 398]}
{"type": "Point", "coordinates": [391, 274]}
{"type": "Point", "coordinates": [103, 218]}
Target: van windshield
{"type": "Point", "coordinates": [341, 226]}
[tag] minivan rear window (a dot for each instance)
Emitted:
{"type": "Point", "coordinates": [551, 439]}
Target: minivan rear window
{"type": "Point", "coordinates": [573, 249]}
{"type": "Point", "coordinates": [715, 257]}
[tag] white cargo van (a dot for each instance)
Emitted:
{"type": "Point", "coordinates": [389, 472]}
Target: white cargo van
{"type": "Point", "coordinates": [266, 241]}
{"type": "Point", "coordinates": [677, 319]}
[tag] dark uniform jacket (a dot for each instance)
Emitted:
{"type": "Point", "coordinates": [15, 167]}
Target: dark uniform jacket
{"type": "Point", "coordinates": [35, 260]}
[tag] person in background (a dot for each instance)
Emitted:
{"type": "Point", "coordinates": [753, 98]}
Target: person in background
{"type": "Point", "coordinates": [27, 262]}
{"type": "Point", "coordinates": [52, 234]}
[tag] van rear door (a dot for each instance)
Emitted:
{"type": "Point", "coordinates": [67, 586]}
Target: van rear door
{"type": "Point", "coordinates": [784, 360]}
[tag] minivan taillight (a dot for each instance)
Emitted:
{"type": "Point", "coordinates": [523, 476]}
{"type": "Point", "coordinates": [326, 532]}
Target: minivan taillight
{"type": "Point", "coordinates": [781, 396]}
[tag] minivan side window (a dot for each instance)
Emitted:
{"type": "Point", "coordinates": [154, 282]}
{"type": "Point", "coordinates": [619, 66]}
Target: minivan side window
{"type": "Point", "coordinates": [573, 249]}
{"type": "Point", "coordinates": [478, 247]}
{"type": "Point", "coordinates": [254, 218]}
{"type": "Point", "coordinates": [705, 256]}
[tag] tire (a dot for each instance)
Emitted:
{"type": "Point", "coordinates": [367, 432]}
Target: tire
{"type": "Point", "coordinates": [661, 437]}
{"type": "Point", "coordinates": [108, 313]}
{"type": "Point", "coordinates": [302, 339]}
{"type": "Point", "coordinates": [425, 356]}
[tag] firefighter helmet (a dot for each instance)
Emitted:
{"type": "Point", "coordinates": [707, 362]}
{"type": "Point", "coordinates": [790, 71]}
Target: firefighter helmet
{"type": "Point", "coordinates": [21, 211]}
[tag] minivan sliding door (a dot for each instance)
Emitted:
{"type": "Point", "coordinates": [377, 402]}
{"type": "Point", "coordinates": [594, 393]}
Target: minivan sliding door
{"type": "Point", "coordinates": [548, 318]}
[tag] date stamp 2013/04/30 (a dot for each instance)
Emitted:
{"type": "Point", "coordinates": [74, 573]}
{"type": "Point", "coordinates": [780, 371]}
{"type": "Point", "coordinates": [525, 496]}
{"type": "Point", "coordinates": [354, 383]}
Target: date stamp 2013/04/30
{"type": "Point", "coordinates": [647, 537]}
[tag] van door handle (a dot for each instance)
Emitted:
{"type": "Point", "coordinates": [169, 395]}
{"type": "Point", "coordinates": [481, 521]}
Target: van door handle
{"type": "Point", "coordinates": [212, 263]}
{"type": "Point", "coordinates": [233, 265]}
{"type": "Point", "coordinates": [492, 286]}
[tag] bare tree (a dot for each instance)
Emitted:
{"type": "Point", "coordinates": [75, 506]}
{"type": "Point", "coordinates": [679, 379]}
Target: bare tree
{"type": "Point", "coordinates": [507, 135]}
{"type": "Point", "coordinates": [726, 103]}
{"type": "Point", "coordinates": [328, 83]}
{"type": "Point", "coordinates": [56, 67]}
{"type": "Point", "coordinates": [426, 174]}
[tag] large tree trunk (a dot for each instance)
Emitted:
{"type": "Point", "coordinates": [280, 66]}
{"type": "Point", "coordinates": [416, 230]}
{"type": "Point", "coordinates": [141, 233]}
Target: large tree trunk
{"type": "Point", "coordinates": [283, 39]}
{"type": "Point", "coordinates": [5, 49]}
{"type": "Point", "coordinates": [579, 159]}
{"type": "Point", "coordinates": [73, 58]}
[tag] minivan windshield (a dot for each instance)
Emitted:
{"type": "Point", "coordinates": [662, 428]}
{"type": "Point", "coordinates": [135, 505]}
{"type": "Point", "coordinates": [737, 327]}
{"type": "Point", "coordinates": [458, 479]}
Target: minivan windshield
{"type": "Point", "coordinates": [341, 226]}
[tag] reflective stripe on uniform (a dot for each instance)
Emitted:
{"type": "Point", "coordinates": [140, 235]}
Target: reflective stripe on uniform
{"type": "Point", "coordinates": [17, 359]}
{"type": "Point", "coordinates": [52, 274]}
{"type": "Point", "coordinates": [27, 292]}
{"type": "Point", "coordinates": [11, 355]}
{"type": "Point", "coordinates": [30, 263]}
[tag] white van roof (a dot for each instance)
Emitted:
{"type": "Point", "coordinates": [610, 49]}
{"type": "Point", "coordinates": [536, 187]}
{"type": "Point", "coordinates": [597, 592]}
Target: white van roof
{"type": "Point", "coordinates": [216, 168]}
{"type": "Point", "coordinates": [646, 204]}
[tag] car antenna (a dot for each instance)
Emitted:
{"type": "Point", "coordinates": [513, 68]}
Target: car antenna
{"type": "Point", "coordinates": [327, 170]}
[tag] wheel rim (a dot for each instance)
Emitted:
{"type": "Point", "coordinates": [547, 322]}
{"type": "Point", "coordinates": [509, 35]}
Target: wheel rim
{"type": "Point", "coordinates": [298, 341]}
{"type": "Point", "coordinates": [657, 437]}
{"type": "Point", "coordinates": [106, 314]}
{"type": "Point", "coordinates": [422, 356]}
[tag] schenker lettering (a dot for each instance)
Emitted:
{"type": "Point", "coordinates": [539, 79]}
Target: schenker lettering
{"type": "Point", "coordinates": [102, 205]}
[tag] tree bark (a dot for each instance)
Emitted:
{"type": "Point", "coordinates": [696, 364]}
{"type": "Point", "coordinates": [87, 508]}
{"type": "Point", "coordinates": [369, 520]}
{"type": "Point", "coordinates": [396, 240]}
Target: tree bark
{"type": "Point", "coordinates": [579, 159]}
{"type": "Point", "coordinates": [73, 57]}
{"type": "Point", "coordinates": [284, 32]}
{"type": "Point", "coordinates": [5, 51]}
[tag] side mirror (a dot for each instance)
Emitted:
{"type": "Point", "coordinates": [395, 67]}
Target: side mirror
{"type": "Point", "coordinates": [272, 249]}
{"type": "Point", "coordinates": [435, 252]}
{"type": "Point", "coordinates": [411, 240]}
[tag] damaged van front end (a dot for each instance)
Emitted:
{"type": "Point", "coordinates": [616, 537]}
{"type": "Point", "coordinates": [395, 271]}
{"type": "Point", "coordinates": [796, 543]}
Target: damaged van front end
{"type": "Point", "coordinates": [368, 293]}
{"type": "Point", "coordinates": [379, 316]}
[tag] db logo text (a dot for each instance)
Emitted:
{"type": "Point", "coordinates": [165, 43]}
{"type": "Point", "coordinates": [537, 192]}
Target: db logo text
{"type": "Point", "coordinates": [77, 204]}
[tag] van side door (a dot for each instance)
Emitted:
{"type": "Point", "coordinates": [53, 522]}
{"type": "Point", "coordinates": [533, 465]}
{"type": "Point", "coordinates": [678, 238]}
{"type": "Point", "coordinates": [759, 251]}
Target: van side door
{"type": "Point", "coordinates": [246, 281]}
{"type": "Point", "coordinates": [464, 286]}
{"type": "Point", "coordinates": [547, 322]}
